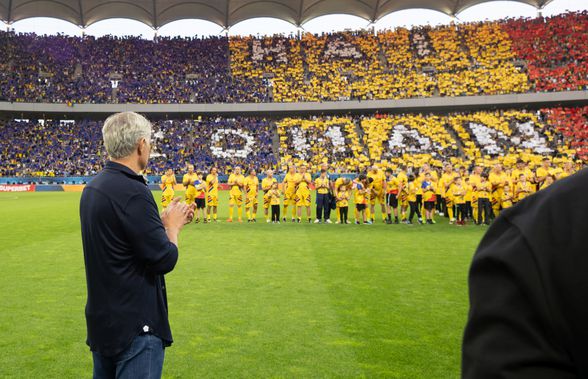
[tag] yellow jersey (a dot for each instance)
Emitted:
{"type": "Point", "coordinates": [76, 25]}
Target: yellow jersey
{"type": "Point", "coordinates": [302, 181]}
{"type": "Point", "coordinates": [237, 180]}
{"type": "Point", "coordinates": [188, 182]}
{"type": "Point", "coordinates": [458, 193]}
{"type": "Point", "coordinates": [565, 174]}
{"type": "Point", "coordinates": [343, 198]}
{"type": "Point", "coordinates": [360, 195]}
{"type": "Point", "coordinates": [392, 185]}
{"type": "Point", "coordinates": [251, 186]}
{"type": "Point", "coordinates": [516, 173]}
{"type": "Point", "coordinates": [338, 184]}
{"type": "Point", "coordinates": [445, 182]}
{"type": "Point", "coordinates": [412, 191]}
{"type": "Point", "coordinates": [274, 196]}
{"type": "Point", "coordinates": [321, 185]}
{"type": "Point", "coordinates": [484, 189]}
{"type": "Point", "coordinates": [523, 190]}
{"type": "Point", "coordinates": [212, 184]}
{"type": "Point", "coordinates": [267, 183]}
{"type": "Point", "coordinates": [498, 181]}
{"type": "Point", "coordinates": [290, 181]}
{"type": "Point", "coordinates": [507, 200]}
{"type": "Point", "coordinates": [379, 178]}
{"type": "Point", "coordinates": [168, 184]}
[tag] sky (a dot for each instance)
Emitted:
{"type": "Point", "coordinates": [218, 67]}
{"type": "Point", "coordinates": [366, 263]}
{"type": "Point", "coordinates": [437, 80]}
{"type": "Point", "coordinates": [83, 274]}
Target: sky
{"type": "Point", "coordinates": [268, 26]}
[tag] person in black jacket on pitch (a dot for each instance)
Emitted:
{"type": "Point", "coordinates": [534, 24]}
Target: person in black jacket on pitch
{"type": "Point", "coordinates": [529, 289]}
{"type": "Point", "coordinates": [128, 247]}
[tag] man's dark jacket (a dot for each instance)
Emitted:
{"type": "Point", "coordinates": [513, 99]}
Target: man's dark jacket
{"type": "Point", "coordinates": [529, 289]}
{"type": "Point", "coordinates": [126, 252]}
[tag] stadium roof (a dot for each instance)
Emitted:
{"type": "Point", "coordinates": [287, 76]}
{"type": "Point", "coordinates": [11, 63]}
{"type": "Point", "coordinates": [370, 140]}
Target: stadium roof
{"type": "Point", "coordinates": [226, 13]}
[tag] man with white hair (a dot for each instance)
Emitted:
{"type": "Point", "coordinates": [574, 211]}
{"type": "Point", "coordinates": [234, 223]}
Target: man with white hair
{"type": "Point", "coordinates": [128, 247]}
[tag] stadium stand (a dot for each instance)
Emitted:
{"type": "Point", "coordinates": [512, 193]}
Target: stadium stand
{"type": "Point", "coordinates": [554, 50]}
{"type": "Point", "coordinates": [573, 124]}
{"type": "Point", "coordinates": [348, 144]}
{"type": "Point", "coordinates": [512, 56]}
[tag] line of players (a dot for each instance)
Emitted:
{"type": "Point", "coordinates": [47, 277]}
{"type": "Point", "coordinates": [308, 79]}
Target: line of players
{"type": "Point", "coordinates": [477, 196]}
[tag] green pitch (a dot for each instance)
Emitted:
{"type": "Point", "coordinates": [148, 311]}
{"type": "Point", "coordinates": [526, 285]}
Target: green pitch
{"type": "Point", "coordinates": [248, 300]}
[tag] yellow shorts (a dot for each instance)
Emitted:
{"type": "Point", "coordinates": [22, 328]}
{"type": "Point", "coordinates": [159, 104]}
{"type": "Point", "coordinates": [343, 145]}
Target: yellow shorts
{"type": "Point", "coordinates": [189, 197]}
{"type": "Point", "coordinates": [212, 200]}
{"type": "Point", "coordinates": [166, 199]}
{"type": "Point", "coordinates": [303, 198]}
{"type": "Point", "coordinates": [236, 198]}
{"type": "Point", "coordinates": [251, 201]}
{"type": "Point", "coordinates": [377, 195]}
{"type": "Point", "coordinates": [266, 201]}
{"type": "Point", "coordinates": [290, 198]}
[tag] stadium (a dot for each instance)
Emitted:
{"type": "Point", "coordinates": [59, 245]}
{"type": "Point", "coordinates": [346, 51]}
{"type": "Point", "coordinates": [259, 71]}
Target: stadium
{"type": "Point", "coordinates": [342, 180]}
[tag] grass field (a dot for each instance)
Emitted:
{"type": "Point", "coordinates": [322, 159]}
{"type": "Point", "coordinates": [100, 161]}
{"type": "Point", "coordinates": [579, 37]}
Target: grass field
{"type": "Point", "coordinates": [248, 300]}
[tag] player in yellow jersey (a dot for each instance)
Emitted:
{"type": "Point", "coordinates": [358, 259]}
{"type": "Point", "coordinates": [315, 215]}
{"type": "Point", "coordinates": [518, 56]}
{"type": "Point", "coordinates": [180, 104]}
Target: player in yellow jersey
{"type": "Point", "coordinates": [289, 186]}
{"type": "Point", "coordinates": [377, 193]}
{"type": "Point", "coordinates": [392, 191]}
{"type": "Point", "coordinates": [429, 197]}
{"type": "Point", "coordinates": [236, 184]}
{"type": "Point", "coordinates": [412, 192]}
{"type": "Point", "coordinates": [521, 168]}
{"type": "Point", "coordinates": [303, 193]}
{"type": "Point", "coordinates": [484, 191]}
{"type": "Point", "coordinates": [421, 178]}
{"type": "Point", "coordinates": [168, 181]}
{"type": "Point", "coordinates": [443, 187]}
{"type": "Point", "coordinates": [251, 185]}
{"type": "Point", "coordinates": [498, 179]}
{"type": "Point", "coordinates": [212, 194]}
{"type": "Point", "coordinates": [523, 188]}
{"type": "Point", "coordinates": [475, 177]}
{"type": "Point", "coordinates": [457, 191]}
{"type": "Point", "coordinates": [542, 172]}
{"type": "Point", "coordinates": [266, 185]}
{"type": "Point", "coordinates": [507, 197]}
{"type": "Point", "coordinates": [188, 182]}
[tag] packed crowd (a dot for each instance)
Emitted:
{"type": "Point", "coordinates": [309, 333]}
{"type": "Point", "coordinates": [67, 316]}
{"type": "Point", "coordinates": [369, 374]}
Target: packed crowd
{"type": "Point", "coordinates": [74, 148]}
{"type": "Point", "coordinates": [62, 69]}
{"type": "Point", "coordinates": [348, 144]}
{"type": "Point", "coordinates": [511, 56]}
{"type": "Point", "coordinates": [51, 148]}
{"type": "Point", "coordinates": [554, 50]}
{"type": "Point", "coordinates": [215, 141]}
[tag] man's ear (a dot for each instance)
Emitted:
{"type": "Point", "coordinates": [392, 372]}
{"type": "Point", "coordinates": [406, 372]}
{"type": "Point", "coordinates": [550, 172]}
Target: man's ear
{"type": "Point", "coordinates": [142, 147]}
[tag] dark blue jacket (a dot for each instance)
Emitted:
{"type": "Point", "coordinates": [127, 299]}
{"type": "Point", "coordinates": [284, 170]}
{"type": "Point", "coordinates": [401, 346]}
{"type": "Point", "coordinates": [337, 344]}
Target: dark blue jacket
{"type": "Point", "coordinates": [126, 252]}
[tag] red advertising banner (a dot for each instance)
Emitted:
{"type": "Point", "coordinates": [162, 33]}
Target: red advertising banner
{"type": "Point", "coordinates": [17, 188]}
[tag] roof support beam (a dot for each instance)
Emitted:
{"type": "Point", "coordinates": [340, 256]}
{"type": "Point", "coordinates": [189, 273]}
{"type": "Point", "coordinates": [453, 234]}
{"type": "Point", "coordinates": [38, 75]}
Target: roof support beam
{"type": "Point", "coordinates": [82, 19]}
{"type": "Point", "coordinates": [299, 18]}
{"type": "Point", "coordinates": [376, 11]}
{"type": "Point", "coordinates": [9, 18]}
{"type": "Point", "coordinates": [227, 14]}
{"type": "Point", "coordinates": [155, 26]}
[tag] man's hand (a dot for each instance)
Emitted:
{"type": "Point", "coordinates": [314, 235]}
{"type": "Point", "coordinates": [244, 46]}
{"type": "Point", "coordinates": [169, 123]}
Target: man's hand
{"type": "Point", "coordinates": [175, 216]}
